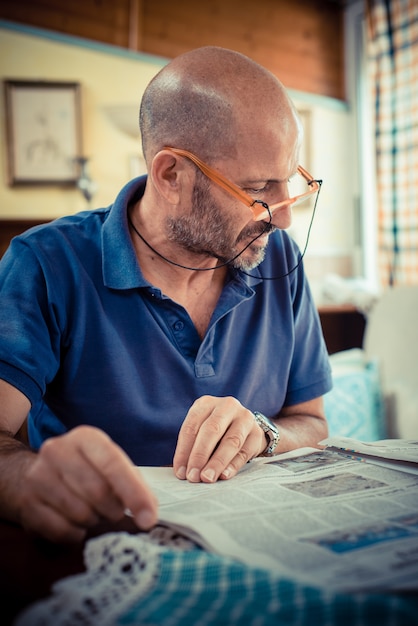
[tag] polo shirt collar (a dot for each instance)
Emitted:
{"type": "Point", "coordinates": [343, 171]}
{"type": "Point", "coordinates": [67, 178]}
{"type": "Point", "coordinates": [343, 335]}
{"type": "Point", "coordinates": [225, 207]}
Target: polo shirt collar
{"type": "Point", "coordinates": [121, 269]}
{"type": "Point", "coordinates": [120, 266]}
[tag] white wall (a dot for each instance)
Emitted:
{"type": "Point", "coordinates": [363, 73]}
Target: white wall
{"type": "Point", "coordinates": [330, 157]}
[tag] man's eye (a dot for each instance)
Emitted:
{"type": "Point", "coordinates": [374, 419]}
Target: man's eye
{"type": "Point", "coordinates": [254, 192]}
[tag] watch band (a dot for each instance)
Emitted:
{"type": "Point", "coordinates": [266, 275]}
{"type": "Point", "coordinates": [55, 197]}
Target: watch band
{"type": "Point", "coordinates": [271, 432]}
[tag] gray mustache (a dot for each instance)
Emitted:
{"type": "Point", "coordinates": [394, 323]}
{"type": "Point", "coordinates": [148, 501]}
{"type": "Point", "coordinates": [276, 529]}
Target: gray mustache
{"type": "Point", "coordinates": [265, 229]}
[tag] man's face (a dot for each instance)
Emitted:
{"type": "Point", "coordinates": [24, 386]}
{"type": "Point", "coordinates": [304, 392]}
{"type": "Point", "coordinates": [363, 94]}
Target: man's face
{"type": "Point", "coordinates": [212, 231]}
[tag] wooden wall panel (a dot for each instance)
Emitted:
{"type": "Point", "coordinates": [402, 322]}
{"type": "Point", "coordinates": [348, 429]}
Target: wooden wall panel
{"type": "Point", "coordinates": [301, 42]}
{"type": "Point", "coordinates": [100, 20]}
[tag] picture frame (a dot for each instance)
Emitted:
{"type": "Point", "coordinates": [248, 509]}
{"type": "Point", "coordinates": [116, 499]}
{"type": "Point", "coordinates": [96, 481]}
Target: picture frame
{"type": "Point", "coordinates": [43, 132]}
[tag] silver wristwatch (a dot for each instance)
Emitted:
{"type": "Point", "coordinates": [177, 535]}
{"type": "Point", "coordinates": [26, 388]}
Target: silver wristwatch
{"type": "Point", "coordinates": [271, 432]}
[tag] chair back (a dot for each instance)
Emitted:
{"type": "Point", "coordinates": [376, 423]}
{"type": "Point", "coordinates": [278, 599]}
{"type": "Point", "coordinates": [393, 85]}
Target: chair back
{"type": "Point", "coordinates": [391, 337]}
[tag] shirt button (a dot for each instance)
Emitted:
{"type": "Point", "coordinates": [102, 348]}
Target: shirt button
{"type": "Point", "coordinates": [178, 325]}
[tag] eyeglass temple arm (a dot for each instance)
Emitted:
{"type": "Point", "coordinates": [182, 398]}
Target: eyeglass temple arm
{"type": "Point", "coordinates": [308, 177]}
{"type": "Point", "coordinates": [215, 176]}
{"type": "Point", "coordinates": [229, 186]}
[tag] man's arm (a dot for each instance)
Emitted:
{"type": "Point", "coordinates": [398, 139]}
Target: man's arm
{"type": "Point", "coordinates": [219, 436]}
{"type": "Point", "coordinates": [75, 481]}
{"type": "Point", "coordinates": [301, 425]}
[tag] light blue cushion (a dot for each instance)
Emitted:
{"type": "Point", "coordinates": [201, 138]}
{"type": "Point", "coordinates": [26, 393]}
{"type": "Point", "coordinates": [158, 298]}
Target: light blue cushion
{"type": "Point", "coordinates": [355, 407]}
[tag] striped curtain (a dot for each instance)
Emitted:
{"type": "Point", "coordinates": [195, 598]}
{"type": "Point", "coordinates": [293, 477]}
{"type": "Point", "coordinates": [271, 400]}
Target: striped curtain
{"type": "Point", "coordinates": [392, 53]}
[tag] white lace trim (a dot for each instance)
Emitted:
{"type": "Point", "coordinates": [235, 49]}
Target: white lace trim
{"type": "Point", "coordinates": [121, 568]}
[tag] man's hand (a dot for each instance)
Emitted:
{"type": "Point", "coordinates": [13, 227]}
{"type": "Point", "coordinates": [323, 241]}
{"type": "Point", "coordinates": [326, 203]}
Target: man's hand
{"type": "Point", "coordinates": [217, 437]}
{"type": "Point", "coordinates": [77, 480]}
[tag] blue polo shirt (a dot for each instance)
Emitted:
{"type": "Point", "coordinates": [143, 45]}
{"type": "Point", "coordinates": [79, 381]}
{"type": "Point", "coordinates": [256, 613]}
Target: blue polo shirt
{"type": "Point", "coordinates": [89, 341]}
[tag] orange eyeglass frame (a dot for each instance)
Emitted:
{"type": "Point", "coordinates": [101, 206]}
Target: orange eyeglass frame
{"type": "Point", "coordinates": [260, 210]}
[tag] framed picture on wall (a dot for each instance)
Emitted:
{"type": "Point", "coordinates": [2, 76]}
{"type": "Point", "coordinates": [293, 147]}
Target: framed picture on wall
{"type": "Point", "coordinates": [43, 130]}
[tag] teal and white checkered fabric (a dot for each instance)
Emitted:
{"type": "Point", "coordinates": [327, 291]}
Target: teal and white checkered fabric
{"type": "Point", "coordinates": [197, 588]}
{"type": "Point", "coordinates": [132, 581]}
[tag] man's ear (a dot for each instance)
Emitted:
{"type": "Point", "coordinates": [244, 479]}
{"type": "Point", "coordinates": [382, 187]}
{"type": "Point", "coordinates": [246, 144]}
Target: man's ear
{"type": "Point", "coordinates": [169, 175]}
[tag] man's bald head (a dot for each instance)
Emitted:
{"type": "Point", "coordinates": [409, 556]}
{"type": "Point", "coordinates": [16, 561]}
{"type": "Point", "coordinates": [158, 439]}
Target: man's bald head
{"type": "Point", "coordinates": [207, 100]}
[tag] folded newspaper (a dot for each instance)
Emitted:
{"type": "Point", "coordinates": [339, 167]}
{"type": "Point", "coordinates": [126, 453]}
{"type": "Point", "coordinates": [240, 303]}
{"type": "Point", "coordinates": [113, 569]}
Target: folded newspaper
{"type": "Point", "coordinates": [344, 517]}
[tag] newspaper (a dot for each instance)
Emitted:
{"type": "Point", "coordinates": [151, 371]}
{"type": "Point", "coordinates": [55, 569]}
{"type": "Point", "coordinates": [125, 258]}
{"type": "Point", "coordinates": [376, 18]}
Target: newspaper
{"type": "Point", "coordinates": [392, 449]}
{"type": "Point", "coordinates": [332, 518]}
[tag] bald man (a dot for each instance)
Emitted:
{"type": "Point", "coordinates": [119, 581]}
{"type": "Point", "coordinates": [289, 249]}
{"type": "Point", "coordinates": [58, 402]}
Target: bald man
{"type": "Point", "coordinates": [175, 327]}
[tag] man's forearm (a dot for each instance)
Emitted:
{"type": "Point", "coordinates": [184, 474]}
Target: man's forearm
{"type": "Point", "coordinates": [302, 425]}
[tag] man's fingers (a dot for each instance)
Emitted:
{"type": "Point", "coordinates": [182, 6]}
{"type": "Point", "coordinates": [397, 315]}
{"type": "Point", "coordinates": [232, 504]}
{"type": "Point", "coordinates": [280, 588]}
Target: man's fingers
{"type": "Point", "coordinates": [79, 490]}
{"type": "Point", "coordinates": [217, 438]}
{"type": "Point", "coordinates": [122, 476]}
{"type": "Point", "coordinates": [201, 433]}
{"type": "Point", "coordinates": [91, 478]}
{"type": "Point", "coordinates": [235, 450]}
{"type": "Point", "coordinates": [200, 410]}
{"type": "Point", "coordinates": [186, 440]}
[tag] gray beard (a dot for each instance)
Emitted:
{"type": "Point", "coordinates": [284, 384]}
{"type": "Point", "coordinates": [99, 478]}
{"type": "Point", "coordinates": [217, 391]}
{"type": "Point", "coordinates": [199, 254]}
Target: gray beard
{"type": "Point", "coordinates": [204, 232]}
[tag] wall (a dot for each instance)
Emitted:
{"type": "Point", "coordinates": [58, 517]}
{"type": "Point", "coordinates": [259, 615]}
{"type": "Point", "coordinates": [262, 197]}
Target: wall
{"type": "Point", "coordinates": [329, 155]}
{"type": "Point", "coordinates": [111, 77]}
{"type": "Point", "coordinates": [106, 79]}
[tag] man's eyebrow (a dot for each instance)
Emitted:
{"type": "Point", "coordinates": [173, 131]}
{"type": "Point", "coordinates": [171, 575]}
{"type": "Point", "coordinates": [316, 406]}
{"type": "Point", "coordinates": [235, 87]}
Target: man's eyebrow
{"type": "Point", "coordinates": [265, 181]}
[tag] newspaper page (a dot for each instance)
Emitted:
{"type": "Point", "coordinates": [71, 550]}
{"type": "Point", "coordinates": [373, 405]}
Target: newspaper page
{"type": "Point", "coordinates": [322, 517]}
{"type": "Point", "coordinates": [402, 450]}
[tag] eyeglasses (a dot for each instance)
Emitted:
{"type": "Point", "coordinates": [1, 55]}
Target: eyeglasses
{"type": "Point", "coordinates": [260, 209]}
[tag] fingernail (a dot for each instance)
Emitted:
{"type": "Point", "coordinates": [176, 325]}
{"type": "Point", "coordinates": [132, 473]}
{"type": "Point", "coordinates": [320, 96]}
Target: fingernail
{"type": "Point", "coordinates": [227, 472]}
{"type": "Point", "coordinates": [146, 519]}
{"type": "Point", "coordinates": [209, 474]}
{"type": "Point", "coordinates": [194, 475]}
{"type": "Point", "coordinates": [181, 473]}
